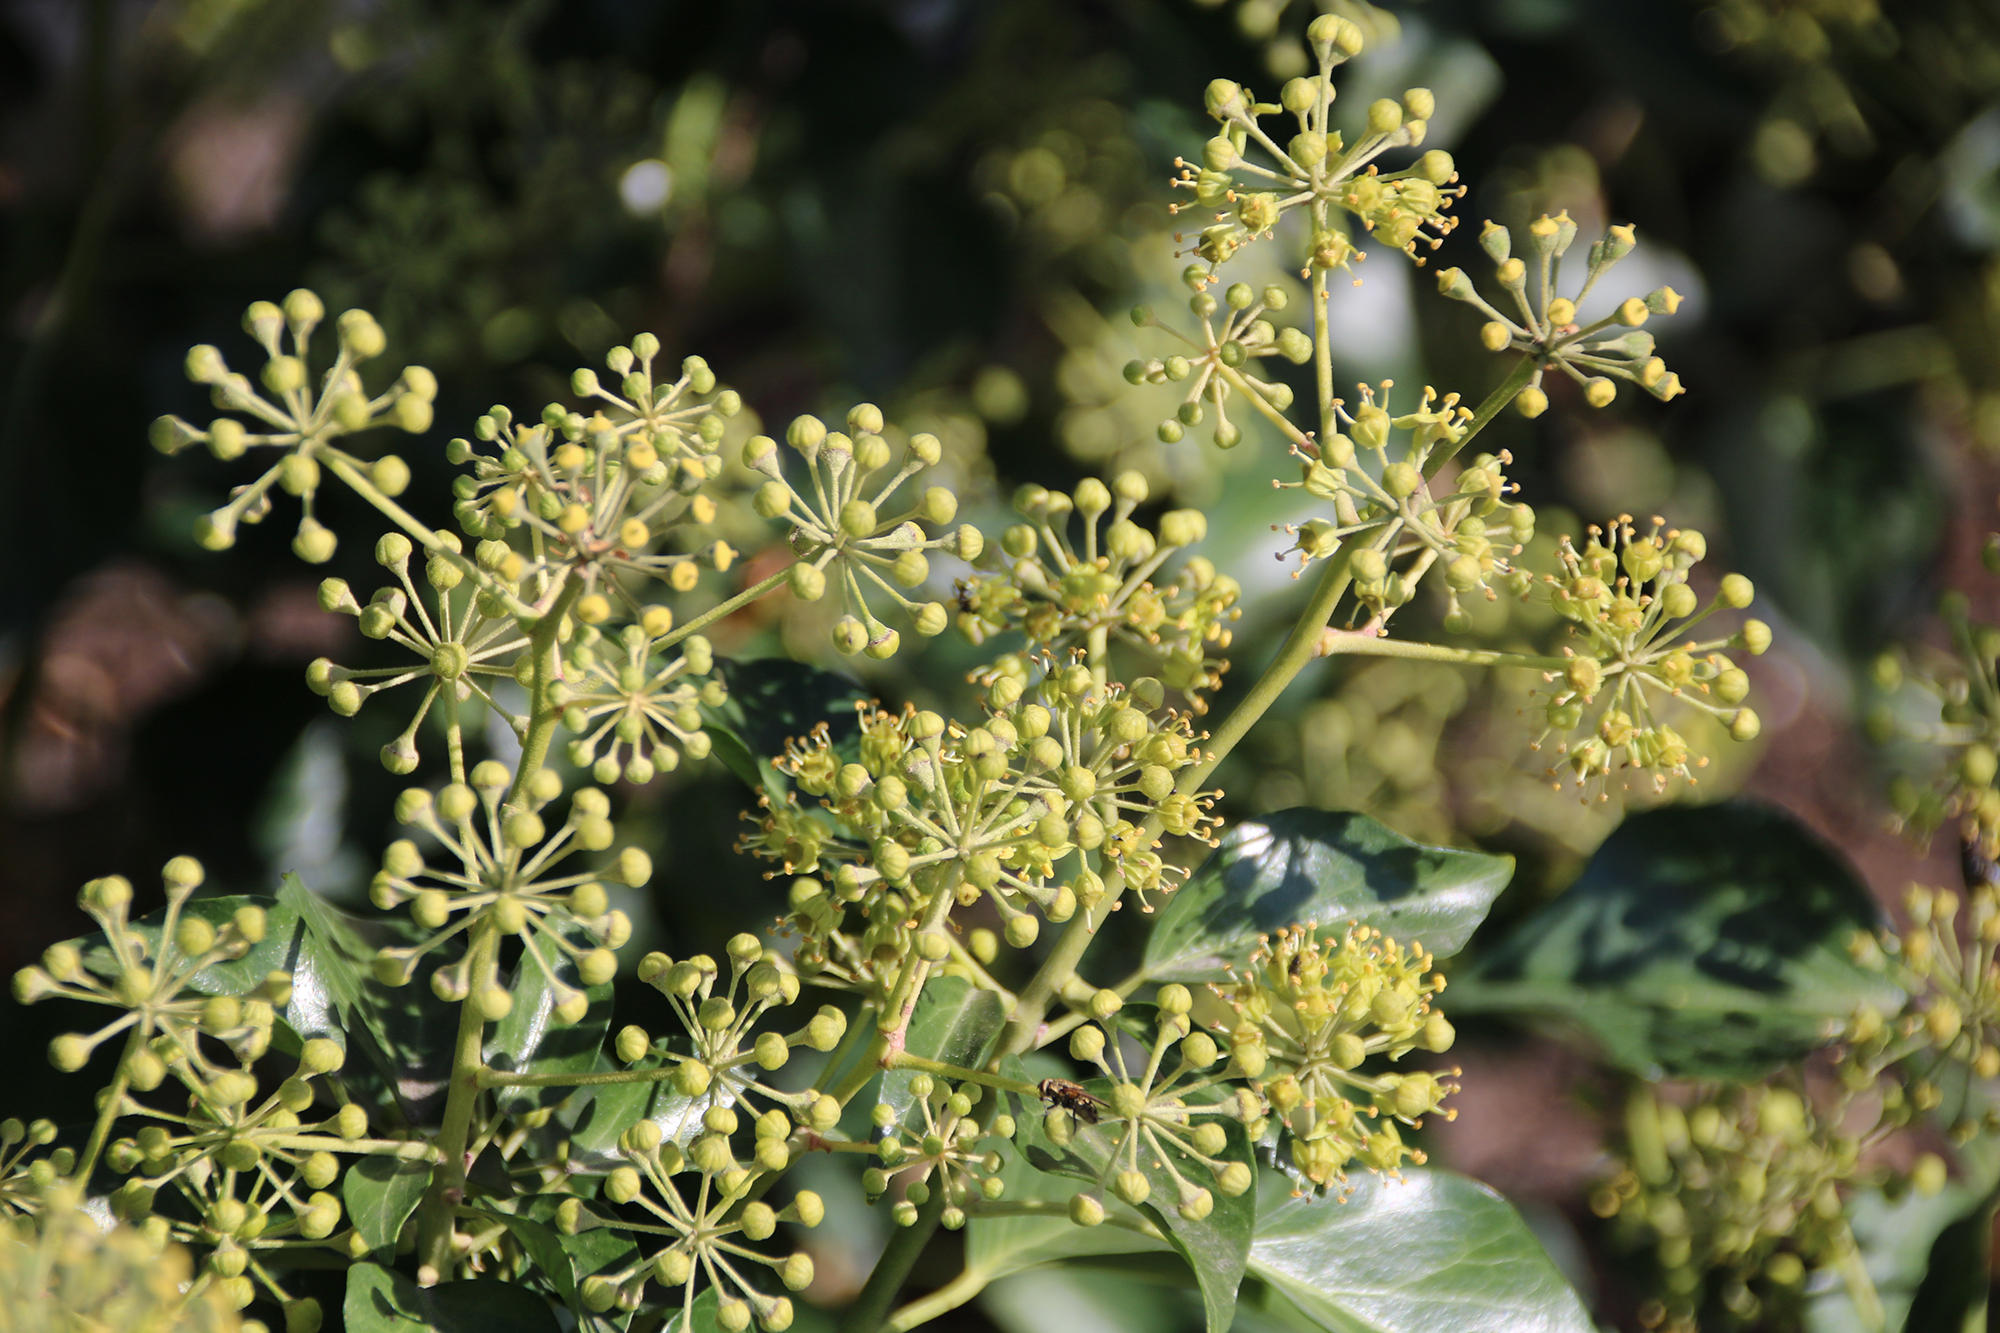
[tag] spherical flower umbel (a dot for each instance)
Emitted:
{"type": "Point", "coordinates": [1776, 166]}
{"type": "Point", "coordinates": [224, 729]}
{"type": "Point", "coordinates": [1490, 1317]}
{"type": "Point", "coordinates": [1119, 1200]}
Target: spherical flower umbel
{"type": "Point", "coordinates": [843, 533]}
{"type": "Point", "coordinates": [636, 707]}
{"type": "Point", "coordinates": [462, 650]}
{"type": "Point", "coordinates": [1309, 1013]}
{"type": "Point", "coordinates": [1218, 364]}
{"type": "Point", "coordinates": [1626, 594]}
{"type": "Point", "coordinates": [1062, 595]}
{"type": "Point", "coordinates": [1593, 355]}
{"type": "Point", "coordinates": [1388, 516]}
{"type": "Point", "coordinates": [942, 1153]}
{"type": "Point", "coordinates": [297, 420]}
{"type": "Point", "coordinates": [504, 879]}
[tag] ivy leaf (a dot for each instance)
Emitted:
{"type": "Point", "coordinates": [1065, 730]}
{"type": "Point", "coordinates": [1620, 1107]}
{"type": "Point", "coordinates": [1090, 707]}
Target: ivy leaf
{"type": "Point", "coordinates": [238, 976]}
{"type": "Point", "coordinates": [954, 1023]}
{"type": "Point", "coordinates": [405, 1032]}
{"type": "Point", "coordinates": [1706, 942]}
{"type": "Point", "coordinates": [1217, 1247]}
{"type": "Point", "coordinates": [1434, 1251]}
{"type": "Point", "coordinates": [380, 1193]}
{"type": "Point", "coordinates": [773, 700]}
{"type": "Point", "coordinates": [998, 1246]}
{"type": "Point", "coordinates": [532, 1040]}
{"type": "Point", "coordinates": [1330, 867]}
{"type": "Point", "coordinates": [699, 1317]}
{"type": "Point", "coordinates": [382, 1301]}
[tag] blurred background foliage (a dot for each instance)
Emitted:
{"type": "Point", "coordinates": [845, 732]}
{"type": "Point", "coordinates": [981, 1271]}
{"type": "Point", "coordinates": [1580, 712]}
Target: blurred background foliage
{"type": "Point", "coordinates": [945, 206]}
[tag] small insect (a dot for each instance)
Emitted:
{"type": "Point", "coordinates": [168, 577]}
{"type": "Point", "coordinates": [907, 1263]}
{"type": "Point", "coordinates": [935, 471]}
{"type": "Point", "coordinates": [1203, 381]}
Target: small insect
{"type": "Point", "coordinates": [962, 593]}
{"type": "Point", "coordinates": [1061, 1094]}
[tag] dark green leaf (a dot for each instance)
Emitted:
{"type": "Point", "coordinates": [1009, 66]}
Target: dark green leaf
{"type": "Point", "coordinates": [698, 1318]}
{"type": "Point", "coordinates": [1705, 942]}
{"type": "Point", "coordinates": [239, 976]}
{"type": "Point", "coordinates": [380, 1194]}
{"type": "Point", "coordinates": [1217, 1247]}
{"type": "Point", "coordinates": [997, 1246]}
{"type": "Point", "coordinates": [382, 1301]}
{"type": "Point", "coordinates": [1323, 866]}
{"type": "Point", "coordinates": [954, 1023]}
{"type": "Point", "coordinates": [1435, 1251]}
{"type": "Point", "coordinates": [405, 1032]}
{"type": "Point", "coordinates": [532, 1040]}
{"type": "Point", "coordinates": [562, 1260]}
{"type": "Point", "coordinates": [773, 700]}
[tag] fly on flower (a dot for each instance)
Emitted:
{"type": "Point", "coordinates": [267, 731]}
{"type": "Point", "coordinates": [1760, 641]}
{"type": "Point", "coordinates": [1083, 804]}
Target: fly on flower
{"type": "Point", "coordinates": [1062, 1095]}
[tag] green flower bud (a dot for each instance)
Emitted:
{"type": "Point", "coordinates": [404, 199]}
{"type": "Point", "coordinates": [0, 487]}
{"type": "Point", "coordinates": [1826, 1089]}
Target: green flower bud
{"type": "Point", "coordinates": [1385, 116]}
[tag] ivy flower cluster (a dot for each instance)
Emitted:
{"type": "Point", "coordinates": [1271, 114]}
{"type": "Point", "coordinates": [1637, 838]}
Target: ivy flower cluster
{"type": "Point", "coordinates": [696, 1234]}
{"type": "Point", "coordinates": [935, 814]}
{"type": "Point", "coordinates": [463, 648]}
{"type": "Point", "coordinates": [1627, 596]}
{"type": "Point", "coordinates": [149, 977]}
{"type": "Point", "coordinates": [297, 421]}
{"type": "Point", "coordinates": [1960, 690]}
{"type": "Point", "coordinates": [728, 1054]}
{"type": "Point", "coordinates": [96, 1278]}
{"type": "Point", "coordinates": [1739, 1198]}
{"type": "Point", "coordinates": [1167, 1116]}
{"type": "Point", "coordinates": [1308, 1013]}
{"type": "Point", "coordinates": [841, 531]}
{"type": "Point", "coordinates": [1594, 355]}
{"type": "Point", "coordinates": [1315, 167]}
{"type": "Point", "coordinates": [1064, 597]}
{"type": "Point", "coordinates": [1398, 528]}
{"type": "Point", "coordinates": [1216, 365]}
{"type": "Point", "coordinates": [946, 1154]}
{"type": "Point", "coordinates": [636, 707]}
{"type": "Point", "coordinates": [606, 497]}
{"type": "Point", "coordinates": [503, 882]}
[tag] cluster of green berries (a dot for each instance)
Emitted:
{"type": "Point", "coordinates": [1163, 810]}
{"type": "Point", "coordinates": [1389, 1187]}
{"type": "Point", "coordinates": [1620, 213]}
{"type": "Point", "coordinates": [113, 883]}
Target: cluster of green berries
{"type": "Point", "coordinates": [1738, 1197]}
{"type": "Point", "coordinates": [298, 420]}
{"type": "Point", "coordinates": [505, 875]}
{"type": "Point", "coordinates": [1548, 331]}
{"type": "Point", "coordinates": [1315, 167]}
{"type": "Point", "coordinates": [843, 532]}
{"type": "Point", "coordinates": [1306, 1014]}
{"type": "Point", "coordinates": [1062, 595]}
{"type": "Point", "coordinates": [1395, 524]}
{"type": "Point", "coordinates": [1626, 595]}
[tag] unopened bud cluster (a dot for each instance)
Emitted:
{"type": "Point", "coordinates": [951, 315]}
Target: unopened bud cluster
{"type": "Point", "coordinates": [1548, 329]}
{"type": "Point", "coordinates": [942, 1151]}
{"type": "Point", "coordinates": [1950, 701]}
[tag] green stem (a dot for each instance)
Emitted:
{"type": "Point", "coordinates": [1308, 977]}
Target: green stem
{"type": "Point", "coordinates": [721, 609]}
{"type": "Point", "coordinates": [500, 1078]}
{"type": "Point", "coordinates": [871, 1307]}
{"type": "Point", "coordinates": [1345, 644]}
{"type": "Point", "coordinates": [939, 1069]}
{"type": "Point", "coordinates": [1499, 398]}
{"type": "Point", "coordinates": [114, 1100]}
{"type": "Point", "coordinates": [946, 1298]}
{"type": "Point", "coordinates": [434, 1225]}
{"type": "Point", "coordinates": [543, 717]}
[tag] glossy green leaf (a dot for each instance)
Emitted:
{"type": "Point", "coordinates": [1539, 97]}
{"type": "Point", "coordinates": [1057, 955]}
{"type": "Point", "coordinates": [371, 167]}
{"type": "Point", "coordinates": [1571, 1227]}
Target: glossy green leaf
{"type": "Point", "coordinates": [564, 1261]}
{"type": "Point", "coordinates": [1706, 941]}
{"type": "Point", "coordinates": [532, 1040]}
{"type": "Point", "coordinates": [1217, 1247]}
{"type": "Point", "coordinates": [1328, 867]}
{"type": "Point", "coordinates": [998, 1246]}
{"type": "Point", "coordinates": [955, 1023]}
{"type": "Point", "coordinates": [239, 976]}
{"type": "Point", "coordinates": [773, 700]}
{"type": "Point", "coordinates": [1434, 1251]}
{"type": "Point", "coordinates": [380, 1300]}
{"type": "Point", "coordinates": [380, 1193]}
{"type": "Point", "coordinates": [698, 1317]}
{"type": "Point", "coordinates": [405, 1033]}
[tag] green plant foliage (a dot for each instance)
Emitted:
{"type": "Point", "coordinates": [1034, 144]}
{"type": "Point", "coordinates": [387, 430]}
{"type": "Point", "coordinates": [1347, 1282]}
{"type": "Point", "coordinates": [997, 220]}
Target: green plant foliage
{"type": "Point", "coordinates": [1711, 941]}
{"type": "Point", "coordinates": [380, 1300]}
{"type": "Point", "coordinates": [1330, 869]}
